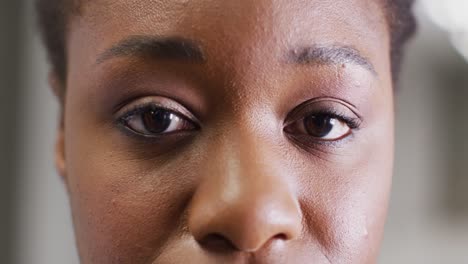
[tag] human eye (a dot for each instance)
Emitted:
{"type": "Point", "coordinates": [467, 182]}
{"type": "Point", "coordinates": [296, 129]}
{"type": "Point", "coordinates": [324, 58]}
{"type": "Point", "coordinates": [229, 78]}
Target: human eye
{"type": "Point", "coordinates": [156, 117]}
{"type": "Point", "coordinates": [323, 121]}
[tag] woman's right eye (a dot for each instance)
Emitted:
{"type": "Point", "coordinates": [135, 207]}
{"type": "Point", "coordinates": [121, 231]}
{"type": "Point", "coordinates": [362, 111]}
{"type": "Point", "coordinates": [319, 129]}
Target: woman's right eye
{"type": "Point", "coordinates": [152, 121]}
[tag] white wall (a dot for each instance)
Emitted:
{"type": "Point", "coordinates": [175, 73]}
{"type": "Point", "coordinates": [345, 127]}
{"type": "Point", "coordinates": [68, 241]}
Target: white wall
{"type": "Point", "coordinates": [419, 230]}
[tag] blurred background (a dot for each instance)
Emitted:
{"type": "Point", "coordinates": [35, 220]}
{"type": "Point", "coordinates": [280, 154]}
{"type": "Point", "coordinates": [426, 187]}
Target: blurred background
{"type": "Point", "coordinates": [428, 220]}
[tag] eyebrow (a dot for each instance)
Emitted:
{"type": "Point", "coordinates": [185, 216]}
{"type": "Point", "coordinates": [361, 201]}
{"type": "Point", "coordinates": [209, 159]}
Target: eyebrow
{"type": "Point", "coordinates": [177, 48]}
{"type": "Point", "coordinates": [335, 54]}
{"type": "Point", "coordinates": [165, 48]}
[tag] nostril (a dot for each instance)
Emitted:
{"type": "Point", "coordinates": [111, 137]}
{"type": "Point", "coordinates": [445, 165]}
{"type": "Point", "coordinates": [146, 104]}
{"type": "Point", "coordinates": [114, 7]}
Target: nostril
{"type": "Point", "coordinates": [217, 243]}
{"type": "Point", "coordinates": [282, 237]}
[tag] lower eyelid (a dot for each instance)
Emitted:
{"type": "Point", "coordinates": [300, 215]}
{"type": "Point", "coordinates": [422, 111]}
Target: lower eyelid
{"type": "Point", "coordinates": [309, 144]}
{"type": "Point", "coordinates": [161, 138]}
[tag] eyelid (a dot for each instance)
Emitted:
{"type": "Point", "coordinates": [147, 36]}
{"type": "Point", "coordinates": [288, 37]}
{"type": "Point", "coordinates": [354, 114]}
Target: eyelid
{"type": "Point", "coordinates": [158, 101]}
{"type": "Point", "coordinates": [325, 105]}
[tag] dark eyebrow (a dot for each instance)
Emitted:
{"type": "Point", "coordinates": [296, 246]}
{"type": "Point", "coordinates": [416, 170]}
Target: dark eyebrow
{"type": "Point", "coordinates": [165, 48]}
{"type": "Point", "coordinates": [330, 55]}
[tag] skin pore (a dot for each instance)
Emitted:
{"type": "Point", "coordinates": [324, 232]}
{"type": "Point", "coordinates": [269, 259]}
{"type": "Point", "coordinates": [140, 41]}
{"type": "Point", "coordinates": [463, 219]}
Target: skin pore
{"type": "Point", "coordinates": [228, 131]}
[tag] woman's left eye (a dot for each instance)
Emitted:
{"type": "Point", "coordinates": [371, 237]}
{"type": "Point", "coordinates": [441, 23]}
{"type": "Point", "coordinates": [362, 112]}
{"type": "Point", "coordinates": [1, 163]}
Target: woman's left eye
{"type": "Point", "coordinates": [155, 121]}
{"type": "Point", "coordinates": [325, 127]}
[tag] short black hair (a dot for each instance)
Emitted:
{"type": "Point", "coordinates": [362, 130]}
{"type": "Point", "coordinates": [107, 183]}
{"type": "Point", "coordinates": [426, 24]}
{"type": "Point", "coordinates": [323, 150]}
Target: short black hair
{"type": "Point", "coordinates": [54, 17]}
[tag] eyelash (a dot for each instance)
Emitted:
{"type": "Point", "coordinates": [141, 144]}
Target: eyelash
{"type": "Point", "coordinates": [139, 109]}
{"type": "Point", "coordinates": [353, 123]}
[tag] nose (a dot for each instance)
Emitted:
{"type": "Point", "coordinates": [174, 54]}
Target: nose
{"type": "Point", "coordinates": [244, 201]}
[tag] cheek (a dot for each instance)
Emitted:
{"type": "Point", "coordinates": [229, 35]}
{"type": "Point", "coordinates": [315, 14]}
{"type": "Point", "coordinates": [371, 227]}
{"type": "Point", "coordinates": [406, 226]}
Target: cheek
{"type": "Point", "coordinates": [345, 209]}
{"type": "Point", "coordinates": [124, 208]}
{"type": "Point", "coordinates": [345, 198]}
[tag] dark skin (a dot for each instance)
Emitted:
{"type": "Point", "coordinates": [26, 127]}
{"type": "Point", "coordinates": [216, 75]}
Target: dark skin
{"type": "Point", "coordinates": [228, 131]}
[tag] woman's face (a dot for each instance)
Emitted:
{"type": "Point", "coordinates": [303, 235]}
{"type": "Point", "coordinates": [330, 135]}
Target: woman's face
{"type": "Point", "coordinates": [228, 131]}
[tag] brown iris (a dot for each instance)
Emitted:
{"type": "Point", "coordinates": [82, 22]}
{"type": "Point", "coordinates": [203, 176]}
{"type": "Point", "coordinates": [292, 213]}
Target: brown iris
{"type": "Point", "coordinates": [157, 120]}
{"type": "Point", "coordinates": [318, 125]}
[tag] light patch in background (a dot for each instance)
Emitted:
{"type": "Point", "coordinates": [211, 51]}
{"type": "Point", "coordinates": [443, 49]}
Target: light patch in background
{"type": "Point", "coordinates": [452, 16]}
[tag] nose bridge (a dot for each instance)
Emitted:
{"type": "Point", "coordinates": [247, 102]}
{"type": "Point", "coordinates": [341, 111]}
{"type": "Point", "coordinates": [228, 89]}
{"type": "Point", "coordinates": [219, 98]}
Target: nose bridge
{"type": "Point", "coordinates": [244, 197]}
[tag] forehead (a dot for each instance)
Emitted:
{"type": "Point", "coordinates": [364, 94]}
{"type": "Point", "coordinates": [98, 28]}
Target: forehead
{"type": "Point", "coordinates": [219, 9]}
{"type": "Point", "coordinates": [352, 22]}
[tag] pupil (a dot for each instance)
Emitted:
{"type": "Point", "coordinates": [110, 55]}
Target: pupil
{"type": "Point", "coordinates": [157, 120]}
{"type": "Point", "coordinates": [318, 125]}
